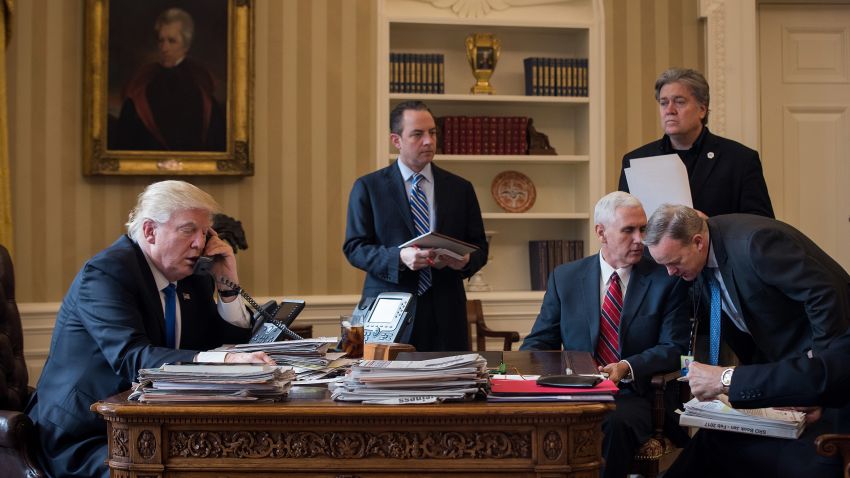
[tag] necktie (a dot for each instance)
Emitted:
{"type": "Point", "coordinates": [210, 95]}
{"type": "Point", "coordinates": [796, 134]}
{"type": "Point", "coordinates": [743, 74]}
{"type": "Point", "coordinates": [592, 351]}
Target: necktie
{"type": "Point", "coordinates": [170, 314]}
{"type": "Point", "coordinates": [714, 321]}
{"type": "Point", "coordinates": [422, 223]}
{"type": "Point", "coordinates": [609, 323]}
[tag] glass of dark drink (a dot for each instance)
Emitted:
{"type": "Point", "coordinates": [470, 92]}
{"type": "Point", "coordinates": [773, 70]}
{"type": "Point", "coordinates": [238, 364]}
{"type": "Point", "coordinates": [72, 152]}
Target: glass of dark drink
{"type": "Point", "coordinates": [352, 336]}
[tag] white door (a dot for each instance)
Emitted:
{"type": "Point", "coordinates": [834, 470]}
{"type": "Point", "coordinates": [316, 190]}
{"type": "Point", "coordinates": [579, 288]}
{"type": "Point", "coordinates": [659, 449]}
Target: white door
{"type": "Point", "coordinates": [805, 119]}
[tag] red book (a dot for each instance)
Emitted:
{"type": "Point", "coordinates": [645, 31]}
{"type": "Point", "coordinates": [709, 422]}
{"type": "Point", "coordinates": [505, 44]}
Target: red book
{"type": "Point", "coordinates": [477, 135]}
{"type": "Point", "coordinates": [529, 387]}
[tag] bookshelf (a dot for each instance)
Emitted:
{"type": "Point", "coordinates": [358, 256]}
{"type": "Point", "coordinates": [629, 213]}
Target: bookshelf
{"type": "Point", "coordinates": [568, 184]}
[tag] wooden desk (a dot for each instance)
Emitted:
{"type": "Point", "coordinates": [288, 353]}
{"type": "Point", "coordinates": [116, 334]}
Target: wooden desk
{"type": "Point", "coordinates": [312, 436]}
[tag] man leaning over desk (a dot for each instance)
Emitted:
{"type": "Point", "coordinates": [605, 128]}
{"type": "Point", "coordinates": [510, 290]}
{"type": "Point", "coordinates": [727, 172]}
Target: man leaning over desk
{"type": "Point", "coordinates": [773, 294]}
{"type": "Point", "coordinates": [135, 305]}
{"type": "Point", "coordinates": [623, 308]}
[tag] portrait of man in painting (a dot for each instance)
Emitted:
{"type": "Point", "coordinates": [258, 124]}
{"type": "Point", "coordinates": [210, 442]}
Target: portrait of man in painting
{"type": "Point", "coordinates": [167, 75]}
{"type": "Point", "coordinates": [484, 60]}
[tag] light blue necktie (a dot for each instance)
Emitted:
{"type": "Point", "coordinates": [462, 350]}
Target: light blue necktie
{"type": "Point", "coordinates": [422, 223]}
{"type": "Point", "coordinates": [170, 314]}
{"type": "Point", "coordinates": [714, 321]}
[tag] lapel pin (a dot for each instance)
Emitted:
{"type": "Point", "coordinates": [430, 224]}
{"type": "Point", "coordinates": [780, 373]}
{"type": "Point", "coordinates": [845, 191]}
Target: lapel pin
{"type": "Point", "coordinates": [710, 155]}
{"type": "Point", "coordinates": [186, 296]}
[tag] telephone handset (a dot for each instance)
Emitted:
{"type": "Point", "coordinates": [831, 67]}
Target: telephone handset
{"type": "Point", "coordinates": [269, 324]}
{"type": "Point", "coordinates": [388, 317]}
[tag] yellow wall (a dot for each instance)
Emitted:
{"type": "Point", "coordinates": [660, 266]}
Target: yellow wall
{"type": "Point", "coordinates": [313, 130]}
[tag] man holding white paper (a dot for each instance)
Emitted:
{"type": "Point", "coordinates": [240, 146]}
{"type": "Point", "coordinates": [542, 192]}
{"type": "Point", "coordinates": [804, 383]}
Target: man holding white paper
{"type": "Point", "coordinates": [406, 199]}
{"type": "Point", "coordinates": [724, 176]}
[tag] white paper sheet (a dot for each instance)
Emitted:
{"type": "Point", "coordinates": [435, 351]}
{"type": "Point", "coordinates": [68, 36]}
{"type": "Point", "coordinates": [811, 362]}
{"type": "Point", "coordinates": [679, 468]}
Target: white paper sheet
{"type": "Point", "coordinates": [657, 180]}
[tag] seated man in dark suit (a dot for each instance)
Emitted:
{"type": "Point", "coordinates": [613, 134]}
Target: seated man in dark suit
{"type": "Point", "coordinates": [624, 308]}
{"type": "Point", "coordinates": [135, 305]}
{"type": "Point", "coordinates": [773, 295]}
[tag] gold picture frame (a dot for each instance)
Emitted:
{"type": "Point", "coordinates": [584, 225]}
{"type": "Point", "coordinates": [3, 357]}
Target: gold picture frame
{"type": "Point", "coordinates": [134, 115]}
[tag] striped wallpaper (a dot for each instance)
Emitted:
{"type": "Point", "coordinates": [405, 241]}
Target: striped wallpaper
{"type": "Point", "coordinates": [313, 135]}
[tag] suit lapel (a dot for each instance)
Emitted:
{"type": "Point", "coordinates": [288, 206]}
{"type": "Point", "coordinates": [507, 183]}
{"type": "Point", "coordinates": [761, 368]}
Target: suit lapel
{"type": "Point", "coordinates": [725, 270]}
{"type": "Point", "coordinates": [639, 283]}
{"type": "Point", "coordinates": [590, 281]}
{"type": "Point", "coordinates": [395, 183]}
{"type": "Point", "coordinates": [440, 191]}
{"type": "Point", "coordinates": [151, 296]}
{"type": "Point", "coordinates": [704, 164]}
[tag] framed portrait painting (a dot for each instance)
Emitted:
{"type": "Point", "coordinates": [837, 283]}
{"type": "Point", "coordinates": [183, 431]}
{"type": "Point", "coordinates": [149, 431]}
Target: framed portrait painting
{"type": "Point", "coordinates": [167, 87]}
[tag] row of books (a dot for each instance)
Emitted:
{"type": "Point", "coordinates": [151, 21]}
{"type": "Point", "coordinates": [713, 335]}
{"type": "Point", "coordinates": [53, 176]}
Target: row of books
{"type": "Point", "coordinates": [555, 76]}
{"type": "Point", "coordinates": [483, 135]}
{"type": "Point", "coordinates": [417, 73]}
{"type": "Point", "coordinates": [545, 256]}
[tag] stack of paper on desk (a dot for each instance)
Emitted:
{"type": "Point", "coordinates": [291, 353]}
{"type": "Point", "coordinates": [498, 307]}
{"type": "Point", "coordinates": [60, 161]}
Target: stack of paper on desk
{"type": "Point", "coordinates": [308, 357]}
{"type": "Point", "coordinates": [718, 415]}
{"type": "Point", "coordinates": [196, 382]}
{"type": "Point", "coordinates": [423, 381]}
{"type": "Point", "coordinates": [515, 388]}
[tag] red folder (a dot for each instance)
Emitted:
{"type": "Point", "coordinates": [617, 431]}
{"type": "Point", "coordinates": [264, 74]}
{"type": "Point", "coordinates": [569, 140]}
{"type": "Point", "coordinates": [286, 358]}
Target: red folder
{"type": "Point", "coordinates": [499, 386]}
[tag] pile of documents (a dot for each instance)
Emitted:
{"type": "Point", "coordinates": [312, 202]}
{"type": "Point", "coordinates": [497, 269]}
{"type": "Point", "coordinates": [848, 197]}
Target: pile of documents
{"type": "Point", "coordinates": [393, 382]}
{"type": "Point", "coordinates": [308, 358]}
{"type": "Point", "coordinates": [524, 388]}
{"type": "Point", "coordinates": [196, 382]}
{"type": "Point", "coordinates": [719, 415]}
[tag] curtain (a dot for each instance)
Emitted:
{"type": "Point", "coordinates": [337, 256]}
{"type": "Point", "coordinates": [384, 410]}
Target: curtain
{"type": "Point", "coordinates": [6, 7]}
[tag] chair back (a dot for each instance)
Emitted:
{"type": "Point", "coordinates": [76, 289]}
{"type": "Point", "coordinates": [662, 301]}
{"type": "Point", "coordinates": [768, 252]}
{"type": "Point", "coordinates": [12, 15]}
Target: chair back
{"type": "Point", "coordinates": [475, 321]}
{"type": "Point", "coordinates": [13, 369]}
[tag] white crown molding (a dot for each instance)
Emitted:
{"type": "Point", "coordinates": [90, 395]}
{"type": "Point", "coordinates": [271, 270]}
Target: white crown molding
{"type": "Point", "coordinates": [481, 8]}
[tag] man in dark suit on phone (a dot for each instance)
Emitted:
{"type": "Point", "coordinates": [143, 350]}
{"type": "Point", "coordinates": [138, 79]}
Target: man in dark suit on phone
{"type": "Point", "coordinates": [135, 305]}
{"type": "Point", "coordinates": [773, 294]}
{"type": "Point", "coordinates": [623, 308]}
{"type": "Point", "coordinates": [725, 176]}
{"type": "Point", "coordinates": [402, 201]}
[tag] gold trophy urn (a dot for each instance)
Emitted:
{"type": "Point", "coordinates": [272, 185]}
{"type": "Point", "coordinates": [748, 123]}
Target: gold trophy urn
{"type": "Point", "coordinates": [482, 51]}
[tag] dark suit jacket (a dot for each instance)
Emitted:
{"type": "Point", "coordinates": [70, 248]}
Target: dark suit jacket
{"type": "Point", "coordinates": [379, 220]}
{"type": "Point", "coordinates": [653, 326]}
{"type": "Point", "coordinates": [729, 182]}
{"type": "Point", "coordinates": [792, 295]}
{"type": "Point", "coordinates": [801, 381]}
{"type": "Point", "coordinates": [109, 326]}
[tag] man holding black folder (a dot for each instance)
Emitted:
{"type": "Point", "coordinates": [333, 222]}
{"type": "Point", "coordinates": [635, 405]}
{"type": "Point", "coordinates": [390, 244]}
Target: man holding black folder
{"type": "Point", "coordinates": [408, 198]}
{"type": "Point", "coordinates": [623, 308]}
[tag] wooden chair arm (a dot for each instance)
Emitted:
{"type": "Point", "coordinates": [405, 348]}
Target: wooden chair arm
{"type": "Point", "coordinates": [831, 444]}
{"type": "Point", "coordinates": [509, 337]}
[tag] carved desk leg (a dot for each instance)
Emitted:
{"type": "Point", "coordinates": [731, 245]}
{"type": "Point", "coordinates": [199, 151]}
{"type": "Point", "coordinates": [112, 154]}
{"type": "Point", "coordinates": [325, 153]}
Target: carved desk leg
{"type": "Point", "coordinates": [575, 445]}
{"type": "Point", "coordinates": [135, 450]}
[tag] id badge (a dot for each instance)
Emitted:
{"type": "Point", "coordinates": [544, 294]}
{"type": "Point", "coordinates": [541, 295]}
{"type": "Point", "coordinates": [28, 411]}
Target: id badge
{"type": "Point", "coordinates": [685, 361]}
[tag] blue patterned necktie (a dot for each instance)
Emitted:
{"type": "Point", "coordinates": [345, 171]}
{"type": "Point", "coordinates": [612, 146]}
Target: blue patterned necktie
{"type": "Point", "coordinates": [714, 321]}
{"type": "Point", "coordinates": [422, 223]}
{"type": "Point", "coordinates": [170, 314]}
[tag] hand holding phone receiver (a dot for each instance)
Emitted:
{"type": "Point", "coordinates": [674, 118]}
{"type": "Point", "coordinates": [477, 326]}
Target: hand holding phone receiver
{"type": "Point", "coordinates": [572, 381]}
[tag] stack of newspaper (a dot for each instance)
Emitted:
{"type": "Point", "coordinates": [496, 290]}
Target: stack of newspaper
{"type": "Point", "coordinates": [309, 358]}
{"type": "Point", "coordinates": [424, 381]}
{"type": "Point", "coordinates": [195, 382]}
{"type": "Point", "coordinates": [718, 415]}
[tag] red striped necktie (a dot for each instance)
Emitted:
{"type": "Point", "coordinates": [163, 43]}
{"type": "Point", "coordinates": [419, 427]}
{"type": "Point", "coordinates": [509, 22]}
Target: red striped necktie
{"type": "Point", "coordinates": [607, 348]}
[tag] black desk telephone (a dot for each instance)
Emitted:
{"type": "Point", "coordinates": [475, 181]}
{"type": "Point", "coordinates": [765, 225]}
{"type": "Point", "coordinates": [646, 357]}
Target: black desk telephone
{"type": "Point", "coordinates": [271, 320]}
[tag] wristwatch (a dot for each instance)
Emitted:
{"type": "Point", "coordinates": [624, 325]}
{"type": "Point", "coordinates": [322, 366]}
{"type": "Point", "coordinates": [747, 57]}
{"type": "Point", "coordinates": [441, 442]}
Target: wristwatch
{"type": "Point", "coordinates": [726, 377]}
{"type": "Point", "coordinates": [228, 293]}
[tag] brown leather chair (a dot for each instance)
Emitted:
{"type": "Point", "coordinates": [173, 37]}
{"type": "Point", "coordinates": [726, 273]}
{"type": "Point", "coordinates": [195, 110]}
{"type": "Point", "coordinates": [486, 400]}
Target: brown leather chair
{"type": "Point", "coordinates": [475, 321]}
{"type": "Point", "coordinates": [17, 436]}
{"type": "Point", "coordinates": [831, 444]}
